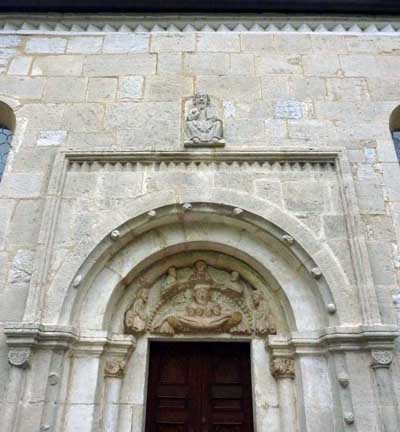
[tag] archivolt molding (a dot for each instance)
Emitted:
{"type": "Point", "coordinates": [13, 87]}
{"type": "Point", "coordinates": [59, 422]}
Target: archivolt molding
{"type": "Point", "coordinates": [169, 206]}
{"type": "Point", "coordinates": [78, 24]}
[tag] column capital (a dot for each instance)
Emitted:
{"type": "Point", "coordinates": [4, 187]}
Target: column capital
{"type": "Point", "coordinates": [19, 357]}
{"type": "Point", "coordinates": [114, 368]}
{"type": "Point", "coordinates": [381, 359]}
{"type": "Point", "coordinates": [282, 367]}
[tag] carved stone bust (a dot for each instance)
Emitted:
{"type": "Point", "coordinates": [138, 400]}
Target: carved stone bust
{"type": "Point", "coordinates": [202, 127]}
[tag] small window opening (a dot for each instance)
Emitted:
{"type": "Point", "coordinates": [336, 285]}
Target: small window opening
{"type": "Point", "coordinates": [5, 146]}
{"type": "Point", "coordinates": [7, 126]}
{"type": "Point", "coordinates": [395, 130]}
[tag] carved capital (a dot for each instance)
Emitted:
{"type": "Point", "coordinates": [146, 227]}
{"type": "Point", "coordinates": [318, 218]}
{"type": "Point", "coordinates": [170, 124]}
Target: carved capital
{"type": "Point", "coordinates": [283, 368]}
{"type": "Point", "coordinates": [114, 368]}
{"type": "Point", "coordinates": [381, 359]}
{"type": "Point", "coordinates": [19, 358]}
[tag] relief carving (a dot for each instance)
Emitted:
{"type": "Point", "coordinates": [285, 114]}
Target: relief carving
{"type": "Point", "coordinates": [19, 358]}
{"type": "Point", "coordinates": [200, 299]}
{"type": "Point", "coordinates": [283, 368]}
{"type": "Point", "coordinates": [135, 317]}
{"type": "Point", "coordinates": [114, 368]}
{"type": "Point", "coordinates": [381, 359]}
{"type": "Point", "coordinates": [202, 127]}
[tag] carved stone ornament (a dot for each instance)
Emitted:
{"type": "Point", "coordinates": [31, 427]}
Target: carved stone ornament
{"type": "Point", "coordinates": [19, 358]}
{"type": "Point", "coordinates": [200, 299]}
{"type": "Point", "coordinates": [381, 359]}
{"type": "Point", "coordinates": [283, 368]}
{"type": "Point", "coordinates": [114, 368]}
{"type": "Point", "coordinates": [202, 127]}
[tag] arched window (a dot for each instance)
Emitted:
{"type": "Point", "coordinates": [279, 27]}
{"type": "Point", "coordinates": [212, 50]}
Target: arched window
{"type": "Point", "coordinates": [395, 130]}
{"type": "Point", "coordinates": [7, 126]}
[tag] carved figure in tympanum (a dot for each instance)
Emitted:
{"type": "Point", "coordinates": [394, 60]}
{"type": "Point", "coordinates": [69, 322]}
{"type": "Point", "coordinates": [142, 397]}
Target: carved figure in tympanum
{"type": "Point", "coordinates": [135, 317]}
{"type": "Point", "coordinates": [200, 299]}
{"type": "Point", "coordinates": [263, 319]}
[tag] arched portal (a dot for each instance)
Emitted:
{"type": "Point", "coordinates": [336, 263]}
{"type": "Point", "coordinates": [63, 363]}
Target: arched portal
{"type": "Point", "coordinates": [263, 287]}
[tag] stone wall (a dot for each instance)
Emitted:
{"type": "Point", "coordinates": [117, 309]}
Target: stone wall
{"type": "Point", "coordinates": [119, 93]}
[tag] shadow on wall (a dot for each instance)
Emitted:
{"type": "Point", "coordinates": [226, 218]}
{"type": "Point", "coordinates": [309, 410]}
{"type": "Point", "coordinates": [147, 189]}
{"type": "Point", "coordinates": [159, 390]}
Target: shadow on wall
{"type": "Point", "coordinates": [7, 127]}
{"type": "Point", "coordinates": [394, 125]}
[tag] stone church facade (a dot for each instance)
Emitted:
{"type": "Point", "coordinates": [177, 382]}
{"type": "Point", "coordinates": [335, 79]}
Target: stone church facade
{"type": "Point", "coordinates": [175, 180]}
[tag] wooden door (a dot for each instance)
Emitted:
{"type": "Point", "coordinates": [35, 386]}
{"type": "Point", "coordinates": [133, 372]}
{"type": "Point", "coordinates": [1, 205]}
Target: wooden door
{"type": "Point", "coordinates": [199, 387]}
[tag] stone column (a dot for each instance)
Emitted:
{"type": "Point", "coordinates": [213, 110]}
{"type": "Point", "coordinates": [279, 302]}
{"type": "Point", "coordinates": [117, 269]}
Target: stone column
{"type": "Point", "coordinates": [84, 385]}
{"type": "Point", "coordinates": [19, 359]}
{"type": "Point", "coordinates": [117, 352]}
{"type": "Point", "coordinates": [381, 361]}
{"type": "Point", "coordinates": [113, 373]}
{"type": "Point", "coordinates": [283, 370]}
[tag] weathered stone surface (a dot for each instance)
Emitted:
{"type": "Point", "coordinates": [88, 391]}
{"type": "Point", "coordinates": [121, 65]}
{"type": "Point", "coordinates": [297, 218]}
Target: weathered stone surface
{"type": "Point", "coordinates": [20, 66]}
{"type": "Point", "coordinates": [114, 65]}
{"type": "Point", "coordinates": [84, 117]}
{"type": "Point", "coordinates": [278, 64]}
{"type": "Point", "coordinates": [126, 43]}
{"type": "Point", "coordinates": [52, 138]}
{"type": "Point", "coordinates": [45, 45]}
{"type": "Point", "coordinates": [172, 42]}
{"type": "Point", "coordinates": [85, 45]}
{"type": "Point", "coordinates": [221, 42]}
{"type": "Point", "coordinates": [58, 66]}
{"type": "Point", "coordinates": [22, 87]}
{"type": "Point", "coordinates": [168, 88]}
{"type": "Point", "coordinates": [65, 89]}
{"type": "Point", "coordinates": [101, 89]}
{"type": "Point", "coordinates": [307, 197]}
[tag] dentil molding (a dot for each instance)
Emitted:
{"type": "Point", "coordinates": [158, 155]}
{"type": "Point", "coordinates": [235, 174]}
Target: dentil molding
{"type": "Point", "coordinates": [155, 23]}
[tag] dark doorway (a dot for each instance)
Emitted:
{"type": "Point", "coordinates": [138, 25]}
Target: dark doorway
{"type": "Point", "coordinates": [199, 387]}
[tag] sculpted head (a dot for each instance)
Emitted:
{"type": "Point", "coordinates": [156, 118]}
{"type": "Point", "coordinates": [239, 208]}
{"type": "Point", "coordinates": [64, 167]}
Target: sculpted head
{"type": "Point", "coordinates": [201, 100]}
{"type": "Point", "coordinates": [200, 266]}
{"type": "Point", "coordinates": [202, 294]}
{"type": "Point", "coordinates": [172, 272]}
{"type": "Point", "coordinates": [234, 276]}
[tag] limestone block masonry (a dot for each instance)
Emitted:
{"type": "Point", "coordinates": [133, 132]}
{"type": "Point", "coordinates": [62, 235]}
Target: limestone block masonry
{"type": "Point", "coordinates": [265, 209]}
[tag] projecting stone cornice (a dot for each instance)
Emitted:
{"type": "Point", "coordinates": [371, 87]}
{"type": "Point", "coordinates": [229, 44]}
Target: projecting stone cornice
{"type": "Point", "coordinates": [355, 338]}
{"type": "Point", "coordinates": [154, 23]}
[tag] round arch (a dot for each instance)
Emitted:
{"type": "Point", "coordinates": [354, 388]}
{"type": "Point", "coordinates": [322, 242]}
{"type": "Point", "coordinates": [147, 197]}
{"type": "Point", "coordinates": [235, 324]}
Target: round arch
{"type": "Point", "coordinates": [265, 229]}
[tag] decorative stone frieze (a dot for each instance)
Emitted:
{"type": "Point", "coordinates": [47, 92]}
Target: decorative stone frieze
{"type": "Point", "coordinates": [140, 25]}
{"type": "Point", "coordinates": [200, 299]}
{"type": "Point", "coordinates": [283, 368]}
{"type": "Point", "coordinates": [114, 368]}
{"type": "Point", "coordinates": [19, 358]}
{"type": "Point", "coordinates": [381, 359]}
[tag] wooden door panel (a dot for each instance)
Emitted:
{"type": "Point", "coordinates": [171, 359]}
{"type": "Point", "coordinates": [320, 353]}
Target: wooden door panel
{"type": "Point", "coordinates": [199, 387]}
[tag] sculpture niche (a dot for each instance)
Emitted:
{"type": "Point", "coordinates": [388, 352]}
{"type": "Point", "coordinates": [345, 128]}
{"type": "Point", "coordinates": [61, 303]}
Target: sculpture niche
{"type": "Point", "coordinates": [203, 128]}
{"type": "Point", "coordinates": [201, 299]}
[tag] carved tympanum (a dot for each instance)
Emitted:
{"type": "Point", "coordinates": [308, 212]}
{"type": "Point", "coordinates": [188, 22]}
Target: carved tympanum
{"type": "Point", "coordinates": [201, 299]}
{"type": "Point", "coordinates": [203, 128]}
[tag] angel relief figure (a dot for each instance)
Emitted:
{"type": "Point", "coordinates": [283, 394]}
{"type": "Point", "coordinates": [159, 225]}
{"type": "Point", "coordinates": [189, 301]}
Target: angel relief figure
{"type": "Point", "coordinates": [135, 317]}
{"type": "Point", "coordinates": [263, 319]}
{"type": "Point", "coordinates": [203, 128]}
